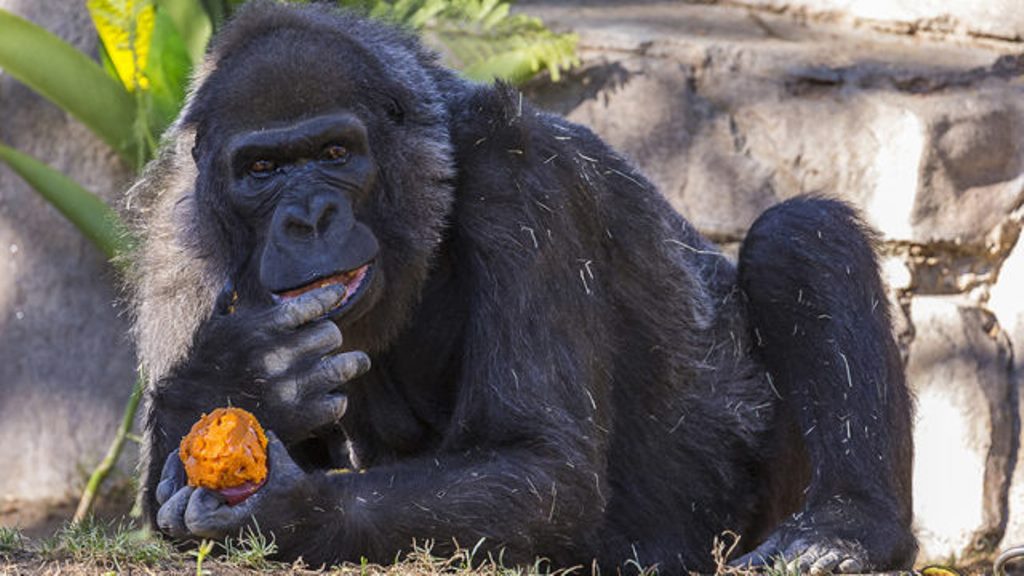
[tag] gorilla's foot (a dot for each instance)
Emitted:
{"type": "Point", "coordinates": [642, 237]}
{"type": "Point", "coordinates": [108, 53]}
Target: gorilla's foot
{"type": "Point", "coordinates": [809, 555]}
{"type": "Point", "coordinates": [841, 536]}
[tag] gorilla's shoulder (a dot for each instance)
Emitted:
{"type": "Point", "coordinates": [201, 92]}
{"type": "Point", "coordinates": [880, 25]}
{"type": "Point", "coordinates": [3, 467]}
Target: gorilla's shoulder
{"type": "Point", "coordinates": [497, 118]}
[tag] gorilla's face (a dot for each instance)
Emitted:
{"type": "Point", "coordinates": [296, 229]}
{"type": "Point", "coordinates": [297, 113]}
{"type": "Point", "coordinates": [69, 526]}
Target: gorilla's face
{"type": "Point", "coordinates": [322, 167]}
{"type": "Point", "coordinates": [299, 187]}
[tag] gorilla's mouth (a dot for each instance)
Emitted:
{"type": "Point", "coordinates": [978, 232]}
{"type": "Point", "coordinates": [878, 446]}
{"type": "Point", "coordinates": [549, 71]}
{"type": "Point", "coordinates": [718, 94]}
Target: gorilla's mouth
{"type": "Point", "coordinates": [353, 280]}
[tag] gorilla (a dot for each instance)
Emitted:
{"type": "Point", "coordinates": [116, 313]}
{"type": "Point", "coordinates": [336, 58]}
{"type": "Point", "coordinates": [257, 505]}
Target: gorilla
{"type": "Point", "coordinates": [465, 320]}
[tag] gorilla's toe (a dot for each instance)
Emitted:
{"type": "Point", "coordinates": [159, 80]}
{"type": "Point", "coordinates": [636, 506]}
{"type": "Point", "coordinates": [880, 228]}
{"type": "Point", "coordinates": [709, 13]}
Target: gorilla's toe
{"type": "Point", "coordinates": [809, 554]}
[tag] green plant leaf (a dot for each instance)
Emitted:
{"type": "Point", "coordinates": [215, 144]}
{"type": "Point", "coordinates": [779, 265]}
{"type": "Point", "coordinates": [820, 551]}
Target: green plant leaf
{"type": "Point", "coordinates": [518, 63]}
{"type": "Point", "coordinates": [418, 16]}
{"type": "Point", "coordinates": [219, 10]}
{"type": "Point", "coordinates": [84, 209]}
{"type": "Point", "coordinates": [69, 79]}
{"type": "Point", "coordinates": [192, 22]}
{"type": "Point", "coordinates": [167, 69]}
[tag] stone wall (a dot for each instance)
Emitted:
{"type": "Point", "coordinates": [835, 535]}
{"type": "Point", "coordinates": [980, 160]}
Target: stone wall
{"type": "Point", "coordinates": [730, 110]}
{"type": "Point", "coordinates": [997, 19]}
{"type": "Point", "coordinates": [66, 364]}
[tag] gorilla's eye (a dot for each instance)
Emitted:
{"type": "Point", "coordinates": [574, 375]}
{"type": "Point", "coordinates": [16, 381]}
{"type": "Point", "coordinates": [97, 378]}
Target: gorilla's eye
{"type": "Point", "coordinates": [334, 153]}
{"type": "Point", "coordinates": [262, 168]}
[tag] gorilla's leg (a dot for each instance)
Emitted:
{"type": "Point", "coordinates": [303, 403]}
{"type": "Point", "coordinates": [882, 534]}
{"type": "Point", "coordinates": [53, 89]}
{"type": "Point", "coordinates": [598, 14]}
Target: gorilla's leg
{"type": "Point", "coordinates": [821, 327]}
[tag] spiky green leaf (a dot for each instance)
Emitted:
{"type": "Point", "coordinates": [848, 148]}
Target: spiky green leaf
{"type": "Point", "coordinates": [84, 209]}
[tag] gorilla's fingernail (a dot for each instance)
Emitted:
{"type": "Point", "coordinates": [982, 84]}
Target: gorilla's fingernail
{"type": "Point", "coordinates": [340, 301]}
{"type": "Point", "coordinates": [330, 297]}
{"type": "Point", "coordinates": [339, 405]}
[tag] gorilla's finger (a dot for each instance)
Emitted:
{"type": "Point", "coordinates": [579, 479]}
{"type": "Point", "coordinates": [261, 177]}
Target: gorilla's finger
{"type": "Point", "coordinates": [319, 339]}
{"type": "Point", "coordinates": [171, 516]}
{"type": "Point", "coordinates": [326, 377]}
{"type": "Point", "coordinates": [208, 515]}
{"type": "Point", "coordinates": [282, 467]}
{"type": "Point", "coordinates": [307, 307]}
{"type": "Point", "coordinates": [340, 368]}
{"type": "Point", "coordinates": [172, 478]}
{"type": "Point", "coordinates": [327, 411]}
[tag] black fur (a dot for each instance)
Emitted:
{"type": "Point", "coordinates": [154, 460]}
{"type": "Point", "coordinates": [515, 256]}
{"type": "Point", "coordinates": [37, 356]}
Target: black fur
{"type": "Point", "coordinates": [560, 364]}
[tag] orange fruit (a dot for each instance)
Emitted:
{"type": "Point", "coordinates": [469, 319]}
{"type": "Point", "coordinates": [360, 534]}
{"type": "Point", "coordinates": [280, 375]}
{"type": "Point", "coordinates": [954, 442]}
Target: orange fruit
{"type": "Point", "coordinates": [226, 451]}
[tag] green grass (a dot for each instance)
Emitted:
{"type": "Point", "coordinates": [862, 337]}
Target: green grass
{"type": "Point", "coordinates": [10, 539]}
{"type": "Point", "coordinates": [93, 547]}
{"type": "Point", "coordinates": [109, 544]}
{"type": "Point", "coordinates": [250, 550]}
{"type": "Point", "coordinates": [200, 554]}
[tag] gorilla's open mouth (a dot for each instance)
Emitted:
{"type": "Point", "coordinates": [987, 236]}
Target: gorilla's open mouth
{"type": "Point", "coordinates": [354, 281]}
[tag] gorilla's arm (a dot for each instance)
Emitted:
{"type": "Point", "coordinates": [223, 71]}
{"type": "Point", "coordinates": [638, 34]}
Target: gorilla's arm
{"type": "Point", "coordinates": [278, 362]}
{"type": "Point", "coordinates": [521, 466]}
{"type": "Point", "coordinates": [521, 504]}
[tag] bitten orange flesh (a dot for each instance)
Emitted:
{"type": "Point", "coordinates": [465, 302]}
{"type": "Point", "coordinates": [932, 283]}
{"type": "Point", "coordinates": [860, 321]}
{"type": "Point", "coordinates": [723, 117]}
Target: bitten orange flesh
{"type": "Point", "coordinates": [225, 449]}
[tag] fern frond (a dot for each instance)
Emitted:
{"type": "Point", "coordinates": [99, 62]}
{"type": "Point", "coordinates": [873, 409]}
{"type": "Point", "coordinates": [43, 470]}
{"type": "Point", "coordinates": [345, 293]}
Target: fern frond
{"type": "Point", "coordinates": [480, 37]}
{"type": "Point", "coordinates": [486, 42]}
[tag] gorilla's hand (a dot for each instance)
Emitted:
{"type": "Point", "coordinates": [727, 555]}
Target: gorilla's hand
{"type": "Point", "coordinates": [280, 506]}
{"type": "Point", "coordinates": [282, 361]}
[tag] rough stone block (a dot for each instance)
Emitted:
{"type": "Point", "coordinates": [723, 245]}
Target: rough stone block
{"type": "Point", "coordinates": [1007, 302]}
{"type": "Point", "coordinates": [965, 428]}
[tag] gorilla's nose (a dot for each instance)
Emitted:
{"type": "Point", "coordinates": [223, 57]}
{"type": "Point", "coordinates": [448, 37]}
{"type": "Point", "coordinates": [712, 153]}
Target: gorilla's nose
{"type": "Point", "coordinates": [312, 218]}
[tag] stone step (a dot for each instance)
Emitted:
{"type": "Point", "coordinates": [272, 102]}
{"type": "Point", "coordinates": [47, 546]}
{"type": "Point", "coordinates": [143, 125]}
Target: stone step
{"type": "Point", "coordinates": [996, 19]}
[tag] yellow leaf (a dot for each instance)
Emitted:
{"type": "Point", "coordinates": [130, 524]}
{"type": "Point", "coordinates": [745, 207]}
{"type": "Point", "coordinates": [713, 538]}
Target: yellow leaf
{"type": "Point", "coordinates": [125, 28]}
